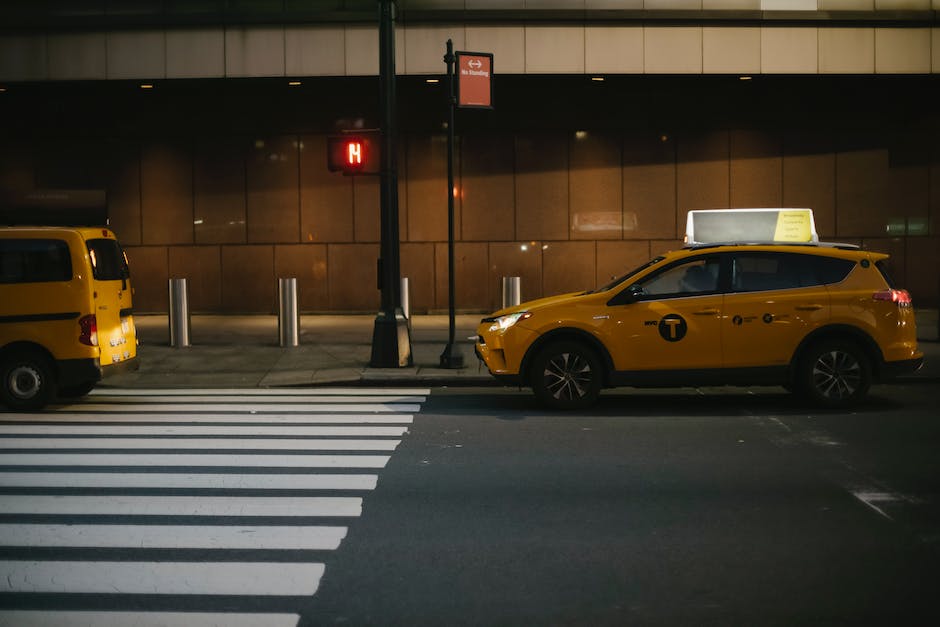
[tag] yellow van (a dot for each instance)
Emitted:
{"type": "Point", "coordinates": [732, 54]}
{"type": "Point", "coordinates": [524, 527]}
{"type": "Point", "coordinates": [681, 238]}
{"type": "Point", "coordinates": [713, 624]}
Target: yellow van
{"type": "Point", "coordinates": [66, 313]}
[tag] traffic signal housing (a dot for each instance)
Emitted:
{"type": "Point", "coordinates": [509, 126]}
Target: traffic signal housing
{"type": "Point", "coordinates": [353, 153]}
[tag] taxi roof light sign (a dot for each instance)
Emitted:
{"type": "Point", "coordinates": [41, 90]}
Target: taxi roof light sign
{"type": "Point", "coordinates": [723, 226]}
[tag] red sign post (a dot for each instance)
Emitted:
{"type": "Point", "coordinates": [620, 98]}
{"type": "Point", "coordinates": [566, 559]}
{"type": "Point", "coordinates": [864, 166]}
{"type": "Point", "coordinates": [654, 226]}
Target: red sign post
{"type": "Point", "coordinates": [475, 80]}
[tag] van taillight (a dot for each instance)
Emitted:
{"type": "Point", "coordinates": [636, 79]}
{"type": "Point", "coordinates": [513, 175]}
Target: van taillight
{"type": "Point", "coordinates": [901, 297]}
{"type": "Point", "coordinates": [89, 327]}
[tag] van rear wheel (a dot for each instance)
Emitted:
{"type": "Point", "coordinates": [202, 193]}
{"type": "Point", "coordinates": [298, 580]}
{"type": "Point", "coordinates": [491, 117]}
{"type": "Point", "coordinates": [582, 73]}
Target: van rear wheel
{"type": "Point", "coordinates": [28, 381]}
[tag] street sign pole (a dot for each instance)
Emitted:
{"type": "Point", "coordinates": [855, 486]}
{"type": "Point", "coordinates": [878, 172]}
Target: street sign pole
{"type": "Point", "coordinates": [391, 338]}
{"type": "Point", "coordinates": [469, 85]}
{"type": "Point", "coordinates": [450, 358]}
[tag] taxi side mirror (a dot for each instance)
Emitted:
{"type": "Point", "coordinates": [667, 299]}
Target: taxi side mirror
{"type": "Point", "coordinates": [628, 296]}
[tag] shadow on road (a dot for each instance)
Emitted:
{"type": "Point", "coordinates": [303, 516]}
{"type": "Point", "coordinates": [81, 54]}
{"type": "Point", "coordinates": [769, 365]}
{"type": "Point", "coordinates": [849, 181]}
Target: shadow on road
{"type": "Point", "coordinates": [514, 405]}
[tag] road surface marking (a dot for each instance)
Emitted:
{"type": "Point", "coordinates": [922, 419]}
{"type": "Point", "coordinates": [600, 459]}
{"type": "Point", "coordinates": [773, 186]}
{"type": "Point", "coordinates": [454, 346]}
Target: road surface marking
{"type": "Point", "coordinates": [259, 418]}
{"type": "Point", "coordinates": [314, 392]}
{"type": "Point", "coordinates": [294, 408]}
{"type": "Point", "coordinates": [184, 459]}
{"type": "Point", "coordinates": [193, 481]}
{"type": "Point", "coordinates": [225, 578]}
{"type": "Point", "coordinates": [310, 538]}
{"type": "Point", "coordinates": [370, 431]}
{"type": "Point", "coordinates": [289, 443]}
{"type": "Point", "coordinates": [120, 505]}
{"type": "Point", "coordinates": [29, 618]}
{"type": "Point", "coordinates": [308, 401]}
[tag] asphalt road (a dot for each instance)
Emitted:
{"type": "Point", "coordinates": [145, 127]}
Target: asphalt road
{"type": "Point", "coordinates": [656, 507]}
{"type": "Point", "coordinates": [467, 506]}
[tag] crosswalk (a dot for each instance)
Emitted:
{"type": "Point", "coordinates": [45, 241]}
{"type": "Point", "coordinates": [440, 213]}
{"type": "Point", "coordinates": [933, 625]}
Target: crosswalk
{"type": "Point", "coordinates": [186, 507]}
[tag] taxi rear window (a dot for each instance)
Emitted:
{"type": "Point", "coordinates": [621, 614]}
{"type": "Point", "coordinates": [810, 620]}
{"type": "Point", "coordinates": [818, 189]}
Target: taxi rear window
{"type": "Point", "coordinates": [883, 269]}
{"type": "Point", "coordinates": [831, 270]}
{"type": "Point", "coordinates": [34, 261]}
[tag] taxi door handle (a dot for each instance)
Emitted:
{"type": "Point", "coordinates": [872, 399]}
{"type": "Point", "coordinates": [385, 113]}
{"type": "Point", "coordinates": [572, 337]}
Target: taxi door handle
{"type": "Point", "coordinates": [706, 312]}
{"type": "Point", "coordinates": [808, 307]}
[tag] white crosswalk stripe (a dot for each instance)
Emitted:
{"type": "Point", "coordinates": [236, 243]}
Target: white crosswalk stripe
{"type": "Point", "coordinates": [155, 473]}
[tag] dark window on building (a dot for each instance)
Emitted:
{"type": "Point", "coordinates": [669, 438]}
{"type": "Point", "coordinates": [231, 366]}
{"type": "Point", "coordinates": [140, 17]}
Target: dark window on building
{"type": "Point", "coordinates": [107, 260]}
{"type": "Point", "coordinates": [34, 261]}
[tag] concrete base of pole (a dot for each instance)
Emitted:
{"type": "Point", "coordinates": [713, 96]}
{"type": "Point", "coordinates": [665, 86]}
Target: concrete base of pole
{"type": "Point", "coordinates": [451, 357]}
{"type": "Point", "coordinates": [391, 341]}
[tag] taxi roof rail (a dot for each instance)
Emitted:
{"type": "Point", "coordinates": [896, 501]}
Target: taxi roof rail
{"type": "Point", "coordinates": [838, 245]}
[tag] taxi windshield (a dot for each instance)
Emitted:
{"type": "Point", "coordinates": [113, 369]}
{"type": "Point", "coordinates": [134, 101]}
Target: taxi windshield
{"type": "Point", "coordinates": [618, 280]}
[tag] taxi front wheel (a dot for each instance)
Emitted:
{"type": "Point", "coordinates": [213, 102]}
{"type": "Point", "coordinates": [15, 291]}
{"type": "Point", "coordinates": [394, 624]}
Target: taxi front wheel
{"type": "Point", "coordinates": [566, 375]}
{"type": "Point", "coordinates": [834, 373]}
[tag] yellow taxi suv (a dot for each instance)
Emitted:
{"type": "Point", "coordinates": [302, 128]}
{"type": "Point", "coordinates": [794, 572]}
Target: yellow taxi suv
{"type": "Point", "coordinates": [66, 313]}
{"type": "Point", "coordinates": [823, 320]}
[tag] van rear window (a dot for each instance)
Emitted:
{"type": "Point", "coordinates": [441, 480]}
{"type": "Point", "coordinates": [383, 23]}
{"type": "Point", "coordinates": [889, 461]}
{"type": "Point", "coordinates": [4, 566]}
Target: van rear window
{"type": "Point", "coordinates": [107, 260]}
{"type": "Point", "coordinates": [34, 261]}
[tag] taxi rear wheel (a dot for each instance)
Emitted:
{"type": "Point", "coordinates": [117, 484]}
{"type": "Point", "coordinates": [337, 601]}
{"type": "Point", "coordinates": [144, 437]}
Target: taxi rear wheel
{"type": "Point", "coordinates": [834, 374]}
{"type": "Point", "coordinates": [28, 380]}
{"type": "Point", "coordinates": [566, 375]}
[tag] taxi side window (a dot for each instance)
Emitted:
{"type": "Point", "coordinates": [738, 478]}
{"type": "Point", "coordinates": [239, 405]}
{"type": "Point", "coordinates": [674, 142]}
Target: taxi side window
{"type": "Point", "coordinates": [755, 272]}
{"type": "Point", "coordinates": [698, 276]}
{"type": "Point", "coordinates": [831, 270]}
{"type": "Point", "coordinates": [34, 261]}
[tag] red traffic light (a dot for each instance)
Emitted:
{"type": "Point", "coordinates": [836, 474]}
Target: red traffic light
{"type": "Point", "coordinates": [353, 154]}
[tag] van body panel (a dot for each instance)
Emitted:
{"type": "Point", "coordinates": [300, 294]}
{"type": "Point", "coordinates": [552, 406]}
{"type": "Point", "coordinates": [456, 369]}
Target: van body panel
{"type": "Point", "coordinates": [66, 293]}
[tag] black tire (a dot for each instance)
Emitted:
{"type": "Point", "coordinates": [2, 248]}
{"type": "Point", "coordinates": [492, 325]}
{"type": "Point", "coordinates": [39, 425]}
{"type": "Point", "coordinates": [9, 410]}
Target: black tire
{"type": "Point", "coordinates": [566, 375]}
{"type": "Point", "coordinates": [76, 391]}
{"type": "Point", "coordinates": [28, 381]}
{"type": "Point", "coordinates": [834, 374]}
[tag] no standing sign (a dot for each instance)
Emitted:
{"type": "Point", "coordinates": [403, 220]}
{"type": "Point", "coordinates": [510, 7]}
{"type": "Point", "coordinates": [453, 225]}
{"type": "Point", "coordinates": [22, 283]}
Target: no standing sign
{"type": "Point", "coordinates": [474, 80]}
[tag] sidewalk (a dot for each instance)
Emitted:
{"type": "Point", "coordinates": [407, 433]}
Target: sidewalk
{"type": "Point", "coordinates": [242, 351]}
{"type": "Point", "coordinates": [238, 351]}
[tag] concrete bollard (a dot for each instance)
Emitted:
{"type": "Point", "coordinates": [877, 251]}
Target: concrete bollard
{"type": "Point", "coordinates": [179, 314]}
{"type": "Point", "coordinates": [288, 313]}
{"type": "Point", "coordinates": [512, 291]}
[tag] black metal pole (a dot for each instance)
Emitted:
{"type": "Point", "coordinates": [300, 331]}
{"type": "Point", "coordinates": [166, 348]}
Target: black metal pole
{"type": "Point", "coordinates": [391, 339]}
{"type": "Point", "coordinates": [450, 358]}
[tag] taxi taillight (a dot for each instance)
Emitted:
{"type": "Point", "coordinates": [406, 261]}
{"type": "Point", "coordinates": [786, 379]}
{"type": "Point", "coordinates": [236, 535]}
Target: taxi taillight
{"type": "Point", "coordinates": [901, 297]}
{"type": "Point", "coordinates": [89, 330]}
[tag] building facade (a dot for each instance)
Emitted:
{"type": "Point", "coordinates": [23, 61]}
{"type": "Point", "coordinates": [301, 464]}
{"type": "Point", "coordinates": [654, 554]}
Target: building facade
{"type": "Point", "coordinates": [203, 126]}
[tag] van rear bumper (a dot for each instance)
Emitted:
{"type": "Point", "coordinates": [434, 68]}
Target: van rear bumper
{"type": "Point", "coordinates": [74, 372]}
{"type": "Point", "coordinates": [121, 367]}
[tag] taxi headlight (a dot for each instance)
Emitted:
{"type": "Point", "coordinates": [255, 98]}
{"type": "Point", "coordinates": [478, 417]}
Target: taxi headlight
{"type": "Point", "coordinates": [501, 323]}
